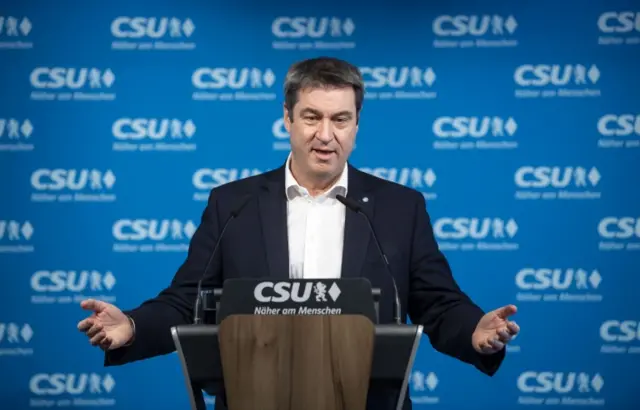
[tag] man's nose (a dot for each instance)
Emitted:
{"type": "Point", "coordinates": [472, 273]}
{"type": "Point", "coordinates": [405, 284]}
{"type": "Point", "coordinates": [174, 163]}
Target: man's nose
{"type": "Point", "coordinates": [325, 131]}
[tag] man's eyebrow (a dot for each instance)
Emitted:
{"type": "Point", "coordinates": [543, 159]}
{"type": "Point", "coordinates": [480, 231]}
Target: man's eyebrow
{"type": "Point", "coordinates": [310, 111]}
{"type": "Point", "coordinates": [318, 113]}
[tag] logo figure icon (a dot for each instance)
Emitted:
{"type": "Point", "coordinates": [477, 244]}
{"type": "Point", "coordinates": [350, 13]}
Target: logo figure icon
{"type": "Point", "coordinates": [320, 289]}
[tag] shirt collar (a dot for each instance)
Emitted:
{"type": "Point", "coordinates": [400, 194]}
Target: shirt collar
{"type": "Point", "coordinates": [294, 189]}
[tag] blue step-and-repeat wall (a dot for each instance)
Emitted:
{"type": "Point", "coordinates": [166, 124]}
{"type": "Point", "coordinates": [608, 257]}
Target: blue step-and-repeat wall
{"type": "Point", "coordinates": [519, 121]}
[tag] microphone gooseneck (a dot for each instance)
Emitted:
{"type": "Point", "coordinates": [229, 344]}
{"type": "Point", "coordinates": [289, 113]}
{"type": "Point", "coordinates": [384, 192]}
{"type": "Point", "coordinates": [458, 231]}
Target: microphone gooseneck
{"type": "Point", "coordinates": [234, 214]}
{"type": "Point", "coordinates": [357, 208]}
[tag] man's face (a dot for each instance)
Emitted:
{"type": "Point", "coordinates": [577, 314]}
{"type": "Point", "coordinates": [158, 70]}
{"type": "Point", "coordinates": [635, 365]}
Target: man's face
{"type": "Point", "coordinates": [323, 130]}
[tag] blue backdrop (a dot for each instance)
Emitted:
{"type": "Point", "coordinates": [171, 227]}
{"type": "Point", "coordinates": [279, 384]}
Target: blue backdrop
{"type": "Point", "coordinates": [519, 122]}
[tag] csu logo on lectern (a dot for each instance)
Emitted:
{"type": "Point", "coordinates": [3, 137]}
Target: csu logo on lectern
{"type": "Point", "coordinates": [280, 292]}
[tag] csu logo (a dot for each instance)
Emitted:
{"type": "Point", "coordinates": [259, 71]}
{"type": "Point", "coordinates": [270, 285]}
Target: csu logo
{"type": "Point", "coordinates": [312, 27]}
{"type": "Point", "coordinates": [620, 330]}
{"type": "Point", "coordinates": [557, 279]}
{"type": "Point", "coordinates": [152, 27]}
{"type": "Point", "coordinates": [152, 128]}
{"type": "Point", "coordinates": [56, 384]}
{"type": "Point", "coordinates": [556, 177]}
{"type": "Point", "coordinates": [398, 77]}
{"type": "Point", "coordinates": [619, 125]}
{"type": "Point", "coordinates": [152, 229]}
{"type": "Point", "coordinates": [619, 22]}
{"type": "Point", "coordinates": [73, 78]}
{"type": "Point", "coordinates": [560, 383]}
{"type": "Point", "coordinates": [474, 228]}
{"type": "Point", "coordinates": [72, 179]}
{"type": "Point", "coordinates": [476, 127]}
{"type": "Point", "coordinates": [206, 78]}
{"type": "Point", "coordinates": [279, 292]}
{"type": "Point", "coordinates": [556, 74]}
{"type": "Point", "coordinates": [612, 227]}
{"type": "Point", "coordinates": [474, 25]}
{"type": "Point", "coordinates": [72, 281]}
{"type": "Point", "coordinates": [207, 179]}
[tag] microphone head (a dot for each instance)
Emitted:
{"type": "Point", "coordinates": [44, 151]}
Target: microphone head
{"type": "Point", "coordinates": [349, 203]}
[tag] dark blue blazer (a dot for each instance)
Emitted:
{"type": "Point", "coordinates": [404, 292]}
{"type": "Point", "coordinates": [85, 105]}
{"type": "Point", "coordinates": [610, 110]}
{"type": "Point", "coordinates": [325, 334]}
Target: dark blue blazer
{"type": "Point", "coordinates": [255, 245]}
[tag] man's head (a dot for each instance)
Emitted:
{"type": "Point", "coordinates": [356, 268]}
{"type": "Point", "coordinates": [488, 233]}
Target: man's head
{"type": "Point", "coordinates": [323, 99]}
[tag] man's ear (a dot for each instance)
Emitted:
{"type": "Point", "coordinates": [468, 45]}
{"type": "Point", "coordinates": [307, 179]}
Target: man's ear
{"type": "Point", "coordinates": [287, 119]}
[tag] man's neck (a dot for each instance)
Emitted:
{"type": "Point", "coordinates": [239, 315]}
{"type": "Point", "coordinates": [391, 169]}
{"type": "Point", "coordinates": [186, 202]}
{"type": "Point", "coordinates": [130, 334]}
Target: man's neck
{"type": "Point", "coordinates": [315, 186]}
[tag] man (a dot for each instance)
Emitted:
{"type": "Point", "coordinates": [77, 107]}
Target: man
{"type": "Point", "coordinates": [294, 227]}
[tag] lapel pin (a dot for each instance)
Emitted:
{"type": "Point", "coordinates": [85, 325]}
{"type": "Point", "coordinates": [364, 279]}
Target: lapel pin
{"type": "Point", "coordinates": [365, 199]}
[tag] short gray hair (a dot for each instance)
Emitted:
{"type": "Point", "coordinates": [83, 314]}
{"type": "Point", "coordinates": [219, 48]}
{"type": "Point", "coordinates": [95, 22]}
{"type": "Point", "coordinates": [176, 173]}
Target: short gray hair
{"type": "Point", "coordinates": [322, 72]}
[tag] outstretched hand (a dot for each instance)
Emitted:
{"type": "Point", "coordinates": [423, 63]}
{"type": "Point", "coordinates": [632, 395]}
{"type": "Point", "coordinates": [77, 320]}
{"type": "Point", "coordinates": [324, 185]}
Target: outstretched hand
{"type": "Point", "coordinates": [107, 327]}
{"type": "Point", "coordinates": [495, 330]}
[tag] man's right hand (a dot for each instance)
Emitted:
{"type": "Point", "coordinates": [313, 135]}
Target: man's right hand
{"type": "Point", "coordinates": [107, 326]}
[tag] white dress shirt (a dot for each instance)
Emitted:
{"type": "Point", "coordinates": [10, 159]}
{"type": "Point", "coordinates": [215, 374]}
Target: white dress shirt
{"type": "Point", "coordinates": [315, 229]}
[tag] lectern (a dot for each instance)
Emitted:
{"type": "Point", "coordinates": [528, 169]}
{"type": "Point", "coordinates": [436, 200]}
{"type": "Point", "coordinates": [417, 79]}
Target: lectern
{"type": "Point", "coordinates": [295, 344]}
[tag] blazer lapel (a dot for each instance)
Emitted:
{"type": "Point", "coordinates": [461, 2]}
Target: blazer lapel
{"type": "Point", "coordinates": [273, 215]}
{"type": "Point", "coordinates": [356, 229]}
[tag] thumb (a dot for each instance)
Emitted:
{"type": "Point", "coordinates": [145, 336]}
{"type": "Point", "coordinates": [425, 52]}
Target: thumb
{"type": "Point", "coordinates": [95, 305]}
{"type": "Point", "coordinates": [506, 311]}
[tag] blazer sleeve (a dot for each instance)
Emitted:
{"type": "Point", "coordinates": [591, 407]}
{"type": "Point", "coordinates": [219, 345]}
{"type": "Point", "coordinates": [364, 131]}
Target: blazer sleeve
{"type": "Point", "coordinates": [448, 315]}
{"type": "Point", "coordinates": [174, 305]}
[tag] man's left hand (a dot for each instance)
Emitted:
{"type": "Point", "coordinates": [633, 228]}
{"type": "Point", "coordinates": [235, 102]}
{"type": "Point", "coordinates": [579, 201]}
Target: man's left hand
{"type": "Point", "coordinates": [494, 330]}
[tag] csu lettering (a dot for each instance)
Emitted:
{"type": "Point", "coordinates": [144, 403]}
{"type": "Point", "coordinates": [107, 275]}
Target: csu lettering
{"type": "Point", "coordinates": [541, 177]}
{"type": "Point", "coordinates": [547, 382]}
{"type": "Point", "coordinates": [73, 281]}
{"type": "Point", "coordinates": [298, 27]}
{"type": "Point", "coordinates": [558, 279]}
{"type": "Point", "coordinates": [138, 27]}
{"type": "Point", "coordinates": [619, 125]}
{"type": "Point", "coordinates": [56, 384]}
{"type": "Point", "coordinates": [462, 25]}
{"type": "Point", "coordinates": [282, 292]}
{"type": "Point", "coordinates": [154, 229]}
{"type": "Point", "coordinates": [622, 22]}
{"type": "Point", "coordinates": [619, 228]}
{"type": "Point", "coordinates": [545, 74]}
{"type": "Point", "coordinates": [73, 78]}
{"type": "Point", "coordinates": [620, 331]}
{"type": "Point", "coordinates": [59, 179]}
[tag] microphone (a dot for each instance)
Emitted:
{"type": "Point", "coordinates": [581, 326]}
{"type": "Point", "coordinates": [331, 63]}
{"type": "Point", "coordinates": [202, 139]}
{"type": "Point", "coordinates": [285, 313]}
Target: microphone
{"type": "Point", "coordinates": [234, 214]}
{"type": "Point", "coordinates": [357, 208]}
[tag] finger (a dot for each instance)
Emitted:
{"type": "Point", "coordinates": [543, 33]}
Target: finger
{"type": "Point", "coordinates": [95, 329]}
{"type": "Point", "coordinates": [105, 344]}
{"type": "Point", "coordinates": [496, 344]}
{"type": "Point", "coordinates": [95, 340]}
{"type": "Point", "coordinates": [487, 348]}
{"type": "Point", "coordinates": [513, 328]}
{"type": "Point", "coordinates": [92, 304]}
{"type": "Point", "coordinates": [504, 336]}
{"type": "Point", "coordinates": [86, 324]}
{"type": "Point", "coordinates": [506, 311]}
